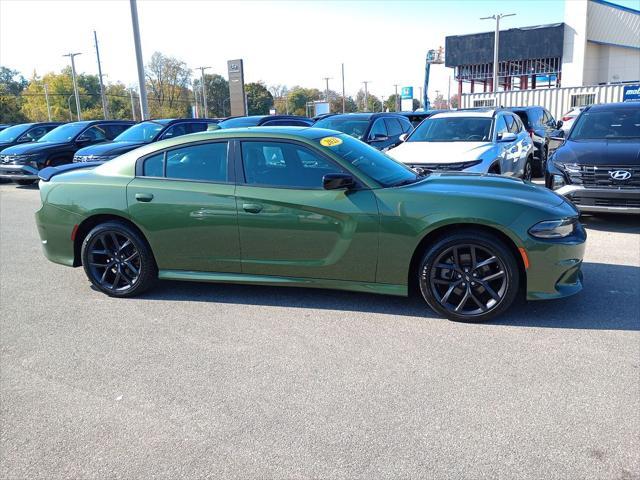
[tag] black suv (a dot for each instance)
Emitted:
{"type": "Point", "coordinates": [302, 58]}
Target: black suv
{"type": "Point", "coordinates": [267, 121]}
{"type": "Point", "coordinates": [418, 116]}
{"type": "Point", "coordinates": [141, 134]}
{"type": "Point", "coordinates": [545, 132]}
{"type": "Point", "coordinates": [21, 163]}
{"type": "Point", "coordinates": [380, 130]}
{"type": "Point", "coordinates": [25, 133]}
{"type": "Point", "coordinates": [598, 166]}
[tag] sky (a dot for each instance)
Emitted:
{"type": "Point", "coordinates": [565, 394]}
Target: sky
{"type": "Point", "coordinates": [281, 42]}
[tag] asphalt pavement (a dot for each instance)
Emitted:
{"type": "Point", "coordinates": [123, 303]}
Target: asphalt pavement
{"type": "Point", "coordinates": [223, 381]}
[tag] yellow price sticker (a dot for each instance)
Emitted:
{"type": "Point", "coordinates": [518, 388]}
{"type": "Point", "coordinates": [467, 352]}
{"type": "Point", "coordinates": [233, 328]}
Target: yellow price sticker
{"type": "Point", "coordinates": [330, 141]}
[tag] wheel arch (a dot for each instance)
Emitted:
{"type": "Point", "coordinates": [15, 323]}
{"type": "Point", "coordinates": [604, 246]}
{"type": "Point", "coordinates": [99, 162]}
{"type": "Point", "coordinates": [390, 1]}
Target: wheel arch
{"type": "Point", "coordinates": [89, 223]}
{"type": "Point", "coordinates": [434, 235]}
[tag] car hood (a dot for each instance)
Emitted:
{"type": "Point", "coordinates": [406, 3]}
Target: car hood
{"type": "Point", "coordinates": [34, 147]}
{"type": "Point", "coordinates": [438, 152]}
{"type": "Point", "coordinates": [488, 186]}
{"type": "Point", "coordinates": [109, 148]}
{"type": "Point", "coordinates": [599, 152]}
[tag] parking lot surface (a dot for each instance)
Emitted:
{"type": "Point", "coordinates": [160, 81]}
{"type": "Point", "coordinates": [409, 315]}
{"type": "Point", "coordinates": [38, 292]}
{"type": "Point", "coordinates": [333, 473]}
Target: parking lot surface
{"type": "Point", "coordinates": [206, 380]}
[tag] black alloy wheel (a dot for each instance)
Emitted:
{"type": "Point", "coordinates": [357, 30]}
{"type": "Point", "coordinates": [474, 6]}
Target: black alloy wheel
{"type": "Point", "coordinates": [541, 166]}
{"type": "Point", "coordinates": [469, 277]}
{"type": "Point", "coordinates": [117, 260]}
{"type": "Point", "coordinates": [528, 171]}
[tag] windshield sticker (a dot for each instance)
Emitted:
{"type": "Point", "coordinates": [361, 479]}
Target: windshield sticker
{"type": "Point", "coordinates": [330, 141]}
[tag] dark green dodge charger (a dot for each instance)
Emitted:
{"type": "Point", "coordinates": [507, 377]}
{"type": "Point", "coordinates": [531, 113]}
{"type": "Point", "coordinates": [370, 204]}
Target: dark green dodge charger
{"type": "Point", "coordinates": [309, 207]}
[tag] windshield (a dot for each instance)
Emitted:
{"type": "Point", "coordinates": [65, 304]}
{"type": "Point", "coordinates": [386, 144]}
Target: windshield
{"type": "Point", "coordinates": [373, 163]}
{"type": "Point", "coordinates": [453, 129]}
{"type": "Point", "coordinates": [143, 132]}
{"type": "Point", "coordinates": [64, 133]}
{"type": "Point", "coordinates": [11, 133]}
{"type": "Point", "coordinates": [350, 126]}
{"type": "Point", "coordinates": [240, 122]}
{"type": "Point", "coordinates": [607, 124]}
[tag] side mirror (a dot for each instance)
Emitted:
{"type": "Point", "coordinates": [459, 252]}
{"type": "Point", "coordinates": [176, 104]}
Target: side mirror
{"type": "Point", "coordinates": [25, 139]}
{"type": "Point", "coordinates": [83, 139]}
{"type": "Point", "coordinates": [559, 124]}
{"type": "Point", "coordinates": [507, 137]}
{"type": "Point", "coordinates": [379, 137]}
{"type": "Point", "coordinates": [336, 181]}
{"type": "Point", "coordinates": [558, 139]}
{"type": "Point", "coordinates": [403, 137]}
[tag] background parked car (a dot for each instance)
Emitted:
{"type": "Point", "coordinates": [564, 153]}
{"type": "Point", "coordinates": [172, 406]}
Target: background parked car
{"type": "Point", "coordinates": [545, 132]}
{"type": "Point", "coordinates": [25, 133]}
{"type": "Point", "coordinates": [267, 121]}
{"type": "Point", "coordinates": [380, 130]}
{"type": "Point", "coordinates": [21, 163]}
{"type": "Point", "coordinates": [4, 125]}
{"type": "Point", "coordinates": [141, 134]}
{"type": "Point", "coordinates": [598, 166]}
{"type": "Point", "coordinates": [486, 141]}
{"type": "Point", "coordinates": [569, 117]}
{"type": "Point", "coordinates": [419, 115]}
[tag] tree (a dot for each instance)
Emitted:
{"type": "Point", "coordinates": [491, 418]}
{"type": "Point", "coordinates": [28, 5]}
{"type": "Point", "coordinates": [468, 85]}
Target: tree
{"type": "Point", "coordinates": [119, 101]}
{"type": "Point", "coordinates": [439, 103]}
{"type": "Point", "coordinates": [217, 90]}
{"type": "Point", "coordinates": [298, 98]}
{"type": "Point", "coordinates": [393, 103]}
{"type": "Point", "coordinates": [259, 99]}
{"type": "Point", "coordinates": [373, 103]}
{"type": "Point", "coordinates": [454, 101]}
{"type": "Point", "coordinates": [11, 86]}
{"type": "Point", "coordinates": [167, 82]}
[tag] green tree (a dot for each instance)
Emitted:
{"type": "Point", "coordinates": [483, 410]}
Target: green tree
{"type": "Point", "coordinates": [167, 83]}
{"type": "Point", "coordinates": [11, 86]}
{"type": "Point", "coordinates": [373, 103]}
{"type": "Point", "coordinates": [298, 97]}
{"type": "Point", "coordinates": [118, 101]}
{"type": "Point", "coordinates": [393, 103]}
{"type": "Point", "coordinates": [217, 90]}
{"type": "Point", "coordinates": [259, 99]}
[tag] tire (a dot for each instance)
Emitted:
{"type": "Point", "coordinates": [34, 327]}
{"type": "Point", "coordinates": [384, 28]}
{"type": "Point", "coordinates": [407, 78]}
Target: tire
{"type": "Point", "coordinates": [541, 165]}
{"type": "Point", "coordinates": [25, 182]}
{"type": "Point", "coordinates": [460, 292]}
{"type": "Point", "coordinates": [118, 260]}
{"type": "Point", "coordinates": [528, 170]}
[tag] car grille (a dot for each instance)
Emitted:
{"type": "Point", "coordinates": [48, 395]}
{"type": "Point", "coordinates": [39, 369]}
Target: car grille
{"type": "Point", "coordinates": [599, 177]}
{"type": "Point", "coordinates": [441, 167]}
{"type": "Point", "coordinates": [607, 202]}
{"type": "Point", "coordinates": [12, 158]}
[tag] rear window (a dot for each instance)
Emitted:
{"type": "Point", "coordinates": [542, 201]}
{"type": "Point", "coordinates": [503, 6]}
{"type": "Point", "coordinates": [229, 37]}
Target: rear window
{"type": "Point", "coordinates": [623, 123]}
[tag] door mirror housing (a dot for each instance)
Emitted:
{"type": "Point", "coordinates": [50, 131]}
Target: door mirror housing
{"type": "Point", "coordinates": [379, 137]}
{"type": "Point", "coordinates": [83, 139]}
{"type": "Point", "coordinates": [26, 139]}
{"type": "Point", "coordinates": [507, 137]}
{"type": "Point", "coordinates": [559, 124]}
{"type": "Point", "coordinates": [336, 181]}
{"type": "Point", "coordinates": [403, 137]}
{"type": "Point", "coordinates": [558, 139]}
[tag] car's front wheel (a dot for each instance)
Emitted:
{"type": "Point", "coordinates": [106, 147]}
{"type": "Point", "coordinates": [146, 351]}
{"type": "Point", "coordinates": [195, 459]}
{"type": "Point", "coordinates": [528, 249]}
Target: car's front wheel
{"type": "Point", "coordinates": [470, 276]}
{"type": "Point", "coordinates": [528, 170]}
{"type": "Point", "coordinates": [117, 260]}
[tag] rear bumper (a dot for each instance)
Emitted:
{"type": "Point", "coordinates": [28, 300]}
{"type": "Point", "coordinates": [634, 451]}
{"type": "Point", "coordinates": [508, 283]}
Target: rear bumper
{"type": "Point", "coordinates": [18, 172]}
{"type": "Point", "coordinates": [609, 200]}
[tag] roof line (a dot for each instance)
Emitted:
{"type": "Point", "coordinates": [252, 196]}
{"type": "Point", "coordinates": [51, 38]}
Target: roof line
{"type": "Point", "coordinates": [616, 6]}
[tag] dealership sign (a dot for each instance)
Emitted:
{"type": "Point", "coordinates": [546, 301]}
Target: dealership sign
{"type": "Point", "coordinates": [406, 96]}
{"type": "Point", "coordinates": [631, 93]}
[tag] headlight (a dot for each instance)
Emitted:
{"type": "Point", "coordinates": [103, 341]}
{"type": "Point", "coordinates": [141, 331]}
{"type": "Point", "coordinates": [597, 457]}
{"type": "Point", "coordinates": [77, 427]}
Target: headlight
{"type": "Point", "coordinates": [554, 228]}
{"type": "Point", "coordinates": [557, 181]}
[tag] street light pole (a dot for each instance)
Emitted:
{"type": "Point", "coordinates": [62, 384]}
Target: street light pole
{"type": "Point", "coordinates": [75, 84]}
{"type": "Point", "coordinates": [105, 108]}
{"type": "Point", "coordinates": [204, 93]}
{"type": "Point", "coordinates": [496, 44]}
{"type": "Point", "coordinates": [343, 99]}
{"type": "Point", "coordinates": [46, 97]}
{"type": "Point", "coordinates": [366, 95]}
{"type": "Point", "coordinates": [69, 105]}
{"type": "Point", "coordinates": [397, 108]}
{"type": "Point", "coordinates": [142, 88]}
{"type": "Point", "coordinates": [326, 92]}
{"type": "Point", "coordinates": [133, 105]}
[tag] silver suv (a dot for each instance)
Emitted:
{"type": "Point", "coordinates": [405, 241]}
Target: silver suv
{"type": "Point", "coordinates": [484, 141]}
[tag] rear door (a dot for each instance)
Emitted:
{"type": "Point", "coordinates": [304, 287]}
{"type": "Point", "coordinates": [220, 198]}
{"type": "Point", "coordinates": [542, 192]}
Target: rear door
{"type": "Point", "coordinates": [553, 132]}
{"type": "Point", "coordinates": [394, 129]}
{"type": "Point", "coordinates": [291, 227]}
{"type": "Point", "coordinates": [183, 199]}
{"type": "Point", "coordinates": [505, 150]}
{"type": "Point", "coordinates": [379, 135]}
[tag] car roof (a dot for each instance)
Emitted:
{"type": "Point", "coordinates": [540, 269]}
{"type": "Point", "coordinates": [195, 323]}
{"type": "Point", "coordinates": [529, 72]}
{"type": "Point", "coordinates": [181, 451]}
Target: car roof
{"type": "Point", "coordinates": [614, 106]}
{"type": "Point", "coordinates": [356, 116]}
{"type": "Point", "coordinates": [523, 109]}
{"type": "Point", "coordinates": [465, 113]}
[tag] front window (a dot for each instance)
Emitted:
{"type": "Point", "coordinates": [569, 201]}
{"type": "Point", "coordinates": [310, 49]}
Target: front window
{"type": "Point", "coordinates": [11, 133]}
{"type": "Point", "coordinates": [351, 126]}
{"type": "Point", "coordinates": [64, 133]}
{"type": "Point", "coordinates": [143, 132]}
{"type": "Point", "coordinates": [453, 129]}
{"type": "Point", "coordinates": [370, 161]}
{"type": "Point", "coordinates": [607, 124]}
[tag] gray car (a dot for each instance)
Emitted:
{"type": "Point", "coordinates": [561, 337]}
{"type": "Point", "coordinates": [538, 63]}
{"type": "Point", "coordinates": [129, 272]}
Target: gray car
{"type": "Point", "coordinates": [483, 141]}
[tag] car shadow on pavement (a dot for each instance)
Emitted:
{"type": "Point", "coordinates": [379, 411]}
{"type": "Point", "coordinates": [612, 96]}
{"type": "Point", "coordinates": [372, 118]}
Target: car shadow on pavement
{"type": "Point", "coordinates": [612, 223]}
{"type": "Point", "coordinates": [610, 301]}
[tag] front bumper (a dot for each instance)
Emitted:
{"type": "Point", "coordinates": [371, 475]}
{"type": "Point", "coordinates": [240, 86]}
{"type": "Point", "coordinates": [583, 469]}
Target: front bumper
{"type": "Point", "coordinates": [18, 172]}
{"type": "Point", "coordinates": [609, 200]}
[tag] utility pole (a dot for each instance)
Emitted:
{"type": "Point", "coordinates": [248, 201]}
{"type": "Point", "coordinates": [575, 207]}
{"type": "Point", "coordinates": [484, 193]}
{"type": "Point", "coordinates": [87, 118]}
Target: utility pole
{"type": "Point", "coordinates": [397, 108]}
{"type": "Point", "coordinates": [75, 84]}
{"type": "Point", "coordinates": [195, 97]}
{"type": "Point", "coordinates": [204, 93]}
{"type": "Point", "coordinates": [46, 97]}
{"type": "Point", "coordinates": [133, 105]}
{"type": "Point", "coordinates": [142, 88]}
{"type": "Point", "coordinates": [420, 97]}
{"type": "Point", "coordinates": [326, 92]}
{"type": "Point", "coordinates": [343, 99]}
{"type": "Point", "coordinates": [105, 108]}
{"type": "Point", "coordinates": [496, 44]}
{"type": "Point", "coordinates": [366, 95]}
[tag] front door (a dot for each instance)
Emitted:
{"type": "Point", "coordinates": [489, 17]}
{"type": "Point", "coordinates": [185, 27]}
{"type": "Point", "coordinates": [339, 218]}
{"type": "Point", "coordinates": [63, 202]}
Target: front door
{"type": "Point", "coordinates": [183, 199]}
{"type": "Point", "coordinates": [291, 227]}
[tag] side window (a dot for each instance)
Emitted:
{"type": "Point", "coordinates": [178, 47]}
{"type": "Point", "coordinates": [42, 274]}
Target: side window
{"type": "Point", "coordinates": [198, 127]}
{"type": "Point", "coordinates": [393, 127]}
{"type": "Point", "coordinates": [33, 134]}
{"type": "Point", "coordinates": [406, 125]}
{"type": "Point", "coordinates": [537, 117]}
{"type": "Point", "coordinates": [95, 133]}
{"type": "Point", "coordinates": [519, 124]}
{"type": "Point", "coordinates": [512, 124]}
{"type": "Point", "coordinates": [501, 126]}
{"type": "Point", "coordinates": [548, 119]}
{"type": "Point", "coordinates": [176, 131]}
{"type": "Point", "coordinates": [112, 131]}
{"type": "Point", "coordinates": [205, 162]}
{"type": "Point", "coordinates": [281, 164]}
{"type": "Point", "coordinates": [153, 166]}
{"type": "Point", "coordinates": [378, 129]}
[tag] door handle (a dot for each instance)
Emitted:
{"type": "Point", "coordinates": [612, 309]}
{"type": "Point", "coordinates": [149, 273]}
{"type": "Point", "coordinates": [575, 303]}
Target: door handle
{"type": "Point", "coordinates": [144, 197]}
{"type": "Point", "coordinates": [252, 207]}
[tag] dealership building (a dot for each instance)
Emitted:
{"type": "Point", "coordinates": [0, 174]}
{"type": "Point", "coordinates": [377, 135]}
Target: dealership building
{"type": "Point", "coordinates": [593, 53]}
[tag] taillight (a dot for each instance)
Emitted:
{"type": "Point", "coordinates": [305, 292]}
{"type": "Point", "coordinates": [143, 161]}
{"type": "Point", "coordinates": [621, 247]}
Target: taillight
{"type": "Point", "coordinates": [530, 131]}
{"type": "Point", "coordinates": [566, 118]}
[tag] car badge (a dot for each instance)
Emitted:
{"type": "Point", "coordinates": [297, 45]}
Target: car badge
{"type": "Point", "coordinates": [620, 174]}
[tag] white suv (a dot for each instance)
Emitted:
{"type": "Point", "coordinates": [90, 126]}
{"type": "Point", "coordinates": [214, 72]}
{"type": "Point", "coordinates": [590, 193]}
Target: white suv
{"type": "Point", "coordinates": [483, 141]}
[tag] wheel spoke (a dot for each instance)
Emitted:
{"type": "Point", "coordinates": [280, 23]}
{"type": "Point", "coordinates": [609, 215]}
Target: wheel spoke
{"type": "Point", "coordinates": [456, 257]}
{"type": "Point", "coordinates": [116, 280]}
{"type": "Point", "coordinates": [446, 266]}
{"type": "Point", "coordinates": [130, 266]}
{"type": "Point", "coordinates": [473, 257]}
{"type": "Point", "coordinates": [114, 239]}
{"type": "Point", "coordinates": [125, 278]}
{"type": "Point", "coordinates": [493, 276]}
{"type": "Point", "coordinates": [486, 262]}
{"type": "Point", "coordinates": [490, 290]}
{"type": "Point", "coordinates": [449, 291]}
{"type": "Point", "coordinates": [131, 257]}
{"type": "Point", "coordinates": [465, 297]}
{"type": "Point", "coordinates": [104, 275]}
{"type": "Point", "coordinates": [99, 252]}
{"type": "Point", "coordinates": [124, 245]}
{"type": "Point", "coordinates": [482, 306]}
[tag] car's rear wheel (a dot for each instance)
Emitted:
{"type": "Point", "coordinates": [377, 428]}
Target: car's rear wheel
{"type": "Point", "coordinates": [469, 276]}
{"type": "Point", "coordinates": [25, 182]}
{"type": "Point", "coordinates": [541, 165]}
{"type": "Point", "coordinates": [117, 260]}
{"type": "Point", "coordinates": [528, 170]}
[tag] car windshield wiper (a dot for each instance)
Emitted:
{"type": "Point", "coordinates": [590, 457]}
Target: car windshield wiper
{"type": "Point", "coordinates": [408, 181]}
